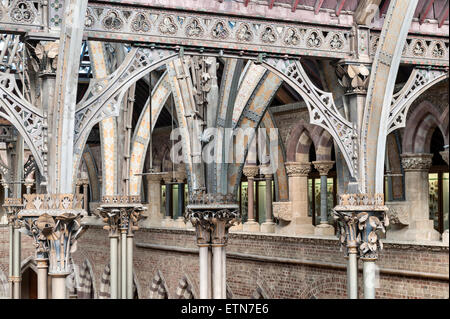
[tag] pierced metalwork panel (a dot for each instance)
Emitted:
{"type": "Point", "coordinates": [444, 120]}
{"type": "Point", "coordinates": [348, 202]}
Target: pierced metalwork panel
{"type": "Point", "coordinates": [421, 50]}
{"type": "Point", "coordinates": [321, 107]}
{"type": "Point", "coordinates": [118, 22]}
{"type": "Point", "coordinates": [419, 81]}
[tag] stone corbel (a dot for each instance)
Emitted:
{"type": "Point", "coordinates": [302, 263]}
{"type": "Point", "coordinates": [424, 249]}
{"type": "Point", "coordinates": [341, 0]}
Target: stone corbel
{"type": "Point", "coordinates": [282, 210]}
{"type": "Point", "coordinates": [444, 155]}
{"type": "Point", "coordinates": [398, 213]}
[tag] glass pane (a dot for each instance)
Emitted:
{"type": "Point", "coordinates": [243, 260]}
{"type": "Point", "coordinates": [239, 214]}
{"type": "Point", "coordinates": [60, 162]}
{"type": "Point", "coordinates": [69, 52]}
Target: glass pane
{"type": "Point", "coordinates": [244, 201]}
{"type": "Point", "coordinates": [310, 202]}
{"type": "Point", "coordinates": [262, 201]}
{"type": "Point", "coordinates": [175, 201]}
{"type": "Point", "coordinates": [317, 199]}
{"type": "Point", "coordinates": [330, 187]}
{"type": "Point", "coordinates": [434, 199]}
{"type": "Point", "coordinates": [163, 200]}
{"type": "Point", "coordinates": [445, 186]}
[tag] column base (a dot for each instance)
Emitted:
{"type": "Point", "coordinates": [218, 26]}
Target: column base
{"type": "Point", "coordinates": [324, 230]}
{"type": "Point", "coordinates": [251, 226]}
{"type": "Point", "coordinates": [268, 227]}
{"type": "Point", "coordinates": [167, 222]}
{"type": "Point", "coordinates": [296, 229]}
{"type": "Point", "coordinates": [419, 230]}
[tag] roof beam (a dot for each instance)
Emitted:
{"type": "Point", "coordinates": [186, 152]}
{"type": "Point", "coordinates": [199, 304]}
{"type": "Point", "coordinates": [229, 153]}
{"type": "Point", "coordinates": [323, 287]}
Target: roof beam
{"type": "Point", "coordinates": [365, 10]}
{"type": "Point", "coordinates": [443, 15]}
{"type": "Point", "coordinates": [271, 2]}
{"type": "Point", "coordinates": [425, 10]}
{"type": "Point", "coordinates": [339, 7]}
{"type": "Point", "coordinates": [317, 6]}
{"type": "Point", "coordinates": [294, 5]}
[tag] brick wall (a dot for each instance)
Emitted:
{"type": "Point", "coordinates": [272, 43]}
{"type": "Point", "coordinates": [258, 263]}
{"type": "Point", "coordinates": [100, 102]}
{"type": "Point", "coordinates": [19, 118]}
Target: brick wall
{"type": "Point", "coordinates": [273, 266]}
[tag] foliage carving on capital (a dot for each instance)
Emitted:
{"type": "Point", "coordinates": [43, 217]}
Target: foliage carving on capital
{"type": "Point", "coordinates": [416, 162]}
{"type": "Point", "coordinates": [323, 166]}
{"type": "Point", "coordinates": [444, 155]}
{"type": "Point", "coordinates": [294, 169]}
{"type": "Point", "coordinates": [250, 170]}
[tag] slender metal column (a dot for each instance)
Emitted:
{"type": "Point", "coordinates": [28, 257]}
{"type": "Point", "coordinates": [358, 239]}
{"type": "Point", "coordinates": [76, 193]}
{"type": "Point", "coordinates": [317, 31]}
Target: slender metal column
{"type": "Point", "coordinates": [42, 266]}
{"type": "Point", "coordinates": [217, 271]}
{"type": "Point", "coordinates": [113, 240]}
{"type": "Point", "coordinates": [130, 266]}
{"type": "Point", "coordinates": [204, 272]}
{"type": "Point", "coordinates": [123, 244]}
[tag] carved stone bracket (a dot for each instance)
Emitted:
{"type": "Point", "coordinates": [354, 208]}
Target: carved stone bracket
{"type": "Point", "coordinates": [398, 213]}
{"type": "Point", "coordinates": [282, 210]}
{"type": "Point", "coordinates": [361, 217]}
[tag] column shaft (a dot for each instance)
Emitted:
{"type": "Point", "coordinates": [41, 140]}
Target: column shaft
{"type": "Point", "coordinates": [124, 265]}
{"type": "Point", "coordinates": [369, 277]}
{"type": "Point", "coordinates": [130, 266]}
{"type": "Point", "coordinates": [217, 272]}
{"type": "Point", "coordinates": [16, 268]}
{"type": "Point", "coordinates": [58, 286]}
{"type": "Point", "coordinates": [42, 266]}
{"type": "Point", "coordinates": [113, 266]}
{"type": "Point", "coordinates": [11, 261]}
{"type": "Point", "coordinates": [224, 273]}
{"type": "Point", "coordinates": [352, 276]}
{"type": "Point", "coordinates": [204, 273]}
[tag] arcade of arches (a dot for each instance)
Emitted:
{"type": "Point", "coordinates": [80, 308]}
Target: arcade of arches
{"type": "Point", "coordinates": [349, 175]}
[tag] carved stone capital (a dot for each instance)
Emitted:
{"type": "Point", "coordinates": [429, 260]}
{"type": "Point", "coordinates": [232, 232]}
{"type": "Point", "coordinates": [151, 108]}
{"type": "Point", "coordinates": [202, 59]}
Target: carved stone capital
{"type": "Point", "coordinates": [444, 155]}
{"type": "Point", "coordinates": [353, 77]}
{"type": "Point", "coordinates": [250, 171]}
{"type": "Point", "coordinates": [359, 232]}
{"type": "Point", "coordinates": [13, 207]}
{"type": "Point", "coordinates": [121, 214]}
{"type": "Point", "coordinates": [416, 162]}
{"type": "Point", "coordinates": [295, 169]}
{"type": "Point", "coordinates": [55, 233]}
{"type": "Point", "coordinates": [282, 210]}
{"type": "Point", "coordinates": [323, 166]}
{"type": "Point", "coordinates": [212, 220]}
